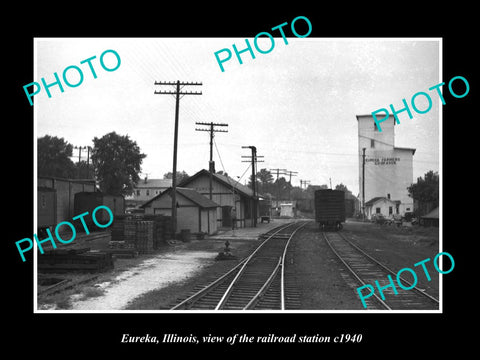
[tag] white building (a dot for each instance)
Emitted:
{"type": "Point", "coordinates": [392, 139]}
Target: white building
{"type": "Point", "coordinates": [388, 169]}
{"type": "Point", "coordinates": [146, 189]}
{"type": "Point", "coordinates": [195, 212]}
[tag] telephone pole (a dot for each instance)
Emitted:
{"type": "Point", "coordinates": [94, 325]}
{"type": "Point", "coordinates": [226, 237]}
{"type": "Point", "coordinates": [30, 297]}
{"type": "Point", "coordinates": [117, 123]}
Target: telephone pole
{"type": "Point", "coordinates": [178, 93]}
{"type": "Point", "coordinates": [282, 172]}
{"type": "Point", "coordinates": [290, 174]}
{"type": "Point", "coordinates": [363, 184]}
{"type": "Point", "coordinates": [212, 130]}
{"type": "Point", "coordinates": [304, 183]}
{"type": "Point", "coordinates": [254, 161]}
{"type": "Point", "coordinates": [80, 149]}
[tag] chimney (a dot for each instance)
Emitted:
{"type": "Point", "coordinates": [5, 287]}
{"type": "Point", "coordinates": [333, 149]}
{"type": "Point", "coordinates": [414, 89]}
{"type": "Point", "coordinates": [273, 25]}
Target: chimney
{"type": "Point", "coordinates": [146, 178]}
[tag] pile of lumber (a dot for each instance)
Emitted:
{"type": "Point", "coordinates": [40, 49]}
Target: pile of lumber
{"type": "Point", "coordinates": [60, 260]}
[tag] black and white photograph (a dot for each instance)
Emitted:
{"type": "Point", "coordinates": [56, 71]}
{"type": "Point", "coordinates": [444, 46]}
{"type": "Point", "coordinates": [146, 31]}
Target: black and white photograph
{"type": "Point", "coordinates": [288, 195]}
{"type": "Point", "coordinates": [274, 186]}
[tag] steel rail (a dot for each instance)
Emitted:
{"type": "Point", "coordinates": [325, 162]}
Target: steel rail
{"type": "Point", "coordinates": [254, 300]}
{"type": "Point", "coordinates": [280, 265]}
{"type": "Point", "coordinates": [352, 271]}
{"type": "Point", "coordinates": [191, 299]}
{"type": "Point", "coordinates": [389, 270]}
{"type": "Point", "coordinates": [282, 274]}
{"type": "Point", "coordinates": [229, 290]}
{"type": "Point", "coordinates": [199, 294]}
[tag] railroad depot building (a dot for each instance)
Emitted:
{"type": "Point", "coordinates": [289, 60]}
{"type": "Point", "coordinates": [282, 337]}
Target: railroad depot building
{"type": "Point", "coordinates": [227, 193]}
{"type": "Point", "coordinates": [388, 169]}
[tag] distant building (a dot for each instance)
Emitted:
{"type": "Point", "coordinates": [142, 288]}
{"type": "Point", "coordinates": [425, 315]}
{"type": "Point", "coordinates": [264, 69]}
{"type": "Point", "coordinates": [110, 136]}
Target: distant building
{"type": "Point", "coordinates": [382, 205]}
{"type": "Point", "coordinates": [146, 190]}
{"type": "Point", "coordinates": [388, 169]}
{"type": "Point", "coordinates": [195, 212]}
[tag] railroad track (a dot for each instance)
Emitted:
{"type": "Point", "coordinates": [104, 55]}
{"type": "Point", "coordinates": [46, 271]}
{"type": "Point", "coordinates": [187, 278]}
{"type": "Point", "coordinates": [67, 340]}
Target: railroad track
{"type": "Point", "coordinates": [258, 282]}
{"type": "Point", "coordinates": [365, 269]}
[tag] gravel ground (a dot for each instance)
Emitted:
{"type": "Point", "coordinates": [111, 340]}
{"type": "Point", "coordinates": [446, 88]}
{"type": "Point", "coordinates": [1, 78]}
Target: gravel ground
{"type": "Point", "coordinates": [317, 274]}
{"type": "Point", "coordinates": [148, 282]}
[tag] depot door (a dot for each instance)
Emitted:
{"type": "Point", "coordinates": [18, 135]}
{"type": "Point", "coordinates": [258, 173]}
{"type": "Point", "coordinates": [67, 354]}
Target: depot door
{"type": "Point", "coordinates": [226, 216]}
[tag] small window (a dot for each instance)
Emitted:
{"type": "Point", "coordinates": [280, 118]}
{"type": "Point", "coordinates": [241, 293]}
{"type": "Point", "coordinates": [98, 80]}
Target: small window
{"type": "Point", "coordinates": [148, 192]}
{"type": "Point", "coordinates": [43, 201]}
{"type": "Point", "coordinates": [390, 210]}
{"type": "Point", "coordinates": [397, 209]}
{"type": "Point", "coordinates": [372, 143]}
{"type": "Point", "coordinates": [377, 210]}
{"type": "Point", "coordinates": [138, 192]}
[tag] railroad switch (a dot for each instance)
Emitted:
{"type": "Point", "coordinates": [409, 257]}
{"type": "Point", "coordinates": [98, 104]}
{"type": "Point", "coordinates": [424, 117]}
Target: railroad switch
{"type": "Point", "coordinates": [225, 254]}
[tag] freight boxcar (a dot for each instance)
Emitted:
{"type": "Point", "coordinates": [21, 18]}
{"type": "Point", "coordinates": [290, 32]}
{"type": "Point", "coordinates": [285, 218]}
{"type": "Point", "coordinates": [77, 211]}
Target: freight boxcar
{"type": "Point", "coordinates": [329, 208]}
{"type": "Point", "coordinates": [88, 201]}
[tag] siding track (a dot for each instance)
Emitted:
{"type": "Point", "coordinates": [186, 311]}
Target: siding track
{"type": "Point", "coordinates": [365, 269]}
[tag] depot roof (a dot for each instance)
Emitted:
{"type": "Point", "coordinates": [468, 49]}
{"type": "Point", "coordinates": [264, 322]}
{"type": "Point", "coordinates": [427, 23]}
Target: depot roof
{"type": "Point", "coordinates": [190, 194]}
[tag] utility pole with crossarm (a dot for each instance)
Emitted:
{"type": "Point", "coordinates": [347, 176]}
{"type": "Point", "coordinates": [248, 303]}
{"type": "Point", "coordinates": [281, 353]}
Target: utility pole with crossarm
{"type": "Point", "coordinates": [178, 93]}
{"type": "Point", "coordinates": [212, 130]}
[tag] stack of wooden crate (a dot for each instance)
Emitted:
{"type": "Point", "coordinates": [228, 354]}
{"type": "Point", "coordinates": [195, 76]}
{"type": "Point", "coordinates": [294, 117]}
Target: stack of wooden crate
{"type": "Point", "coordinates": [144, 233]}
{"type": "Point", "coordinates": [144, 236]}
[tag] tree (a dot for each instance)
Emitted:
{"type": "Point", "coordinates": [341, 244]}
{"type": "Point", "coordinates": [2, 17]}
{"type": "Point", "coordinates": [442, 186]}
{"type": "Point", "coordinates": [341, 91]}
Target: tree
{"type": "Point", "coordinates": [54, 157]}
{"type": "Point", "coordinates": [265, 177]}
{"type": "Point", "coordinates": [84, 171]}
{"type": "Point", "coordinates": [297, 193]}
{"type": "Point", "coordinates": [264, 181]}
{"type": "Point", "coordinates": [117, 162]}
{"type": "Point", "coordinates": [282, 188]}
{"type": "Point", "coordinates": [341, 187]}
{"type": "Point", "coordinates": [181, 176]}
{"type": "Point", "coordinates": [426, 191]}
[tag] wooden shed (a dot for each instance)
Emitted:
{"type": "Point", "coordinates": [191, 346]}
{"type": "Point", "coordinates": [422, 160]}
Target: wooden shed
{"type": "Point", "coordinates": [430, 219]}
{"type": "Point", "coordinates": [195, 212]}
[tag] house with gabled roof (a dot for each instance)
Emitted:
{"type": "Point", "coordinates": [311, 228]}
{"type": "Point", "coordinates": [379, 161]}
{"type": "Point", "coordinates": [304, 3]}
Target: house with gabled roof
{"type": "Point", "coordinates": [382, 206]}
{"type": "Point", "coordinates": [195, 212]}
{"type": "Point", "coordinates": [146, 189]}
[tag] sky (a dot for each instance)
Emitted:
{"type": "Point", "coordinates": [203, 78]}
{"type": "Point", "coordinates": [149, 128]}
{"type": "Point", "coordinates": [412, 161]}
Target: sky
{"type": "Point", "coordinates": [297, 104]}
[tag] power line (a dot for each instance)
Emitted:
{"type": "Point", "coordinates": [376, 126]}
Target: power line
{"type": "Point", "coordinates": [225, 171]}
